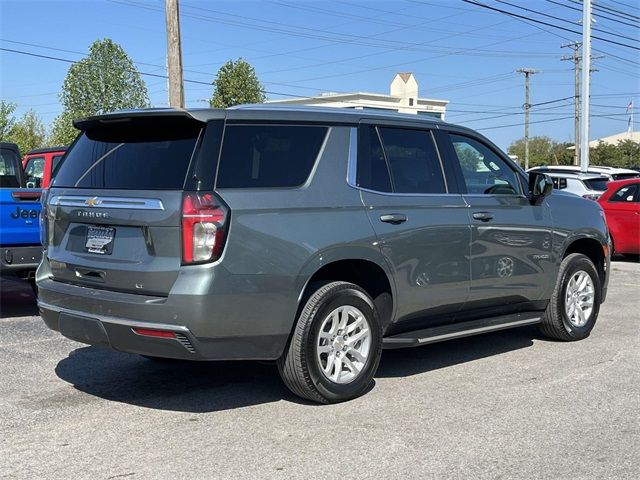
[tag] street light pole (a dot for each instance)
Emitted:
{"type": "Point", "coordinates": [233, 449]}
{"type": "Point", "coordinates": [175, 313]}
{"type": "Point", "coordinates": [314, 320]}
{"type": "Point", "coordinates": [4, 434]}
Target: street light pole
{"type": "Point", "coordinates": [586, 77]}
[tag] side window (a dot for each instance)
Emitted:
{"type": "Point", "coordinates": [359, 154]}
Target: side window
{"type": "Point", "coordinates": [266, 156]}
{"type": "Point", "coordinates": [559, 183]}
{"type": "Point", "coordinates": [373, 173]}
{"type": "Point", "coordinates": [483, 170]}
{"type": "Point", "coordinates": [413, 161]}
{"type": "Point", "coordinates": [54, 163]}
{"type": "Point", "coordinates": [628, 193]}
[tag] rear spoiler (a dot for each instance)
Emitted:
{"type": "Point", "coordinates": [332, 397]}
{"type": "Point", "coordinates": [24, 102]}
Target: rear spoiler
{"type": "Point", "coordinates": [125, 116]}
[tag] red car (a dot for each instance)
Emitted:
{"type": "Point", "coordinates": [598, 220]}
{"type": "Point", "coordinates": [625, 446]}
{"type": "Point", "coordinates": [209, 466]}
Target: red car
{"type": "Point", "coordinates": [621, 205]}
{"type": "Point", "coordinates": [39, 164]}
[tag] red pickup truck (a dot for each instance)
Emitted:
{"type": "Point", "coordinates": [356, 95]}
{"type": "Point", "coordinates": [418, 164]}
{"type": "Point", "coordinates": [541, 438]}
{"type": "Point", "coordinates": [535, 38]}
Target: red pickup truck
{"type": "Point", "coordinates": [39, 164]}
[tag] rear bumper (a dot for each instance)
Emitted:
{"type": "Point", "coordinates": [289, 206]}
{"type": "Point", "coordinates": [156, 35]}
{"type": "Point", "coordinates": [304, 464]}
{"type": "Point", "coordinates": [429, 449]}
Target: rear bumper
{"type": "Point", "coordinates": [107, 318]}
{"type": "Point", "coordinates": [119, 334]}
{"type": "Point", "coordinates": [20, 259]}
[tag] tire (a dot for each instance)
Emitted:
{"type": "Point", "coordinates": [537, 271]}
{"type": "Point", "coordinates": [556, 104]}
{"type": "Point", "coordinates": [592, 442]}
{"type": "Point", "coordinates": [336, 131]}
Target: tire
{"type": "Point", "coordinates": [304, 361]}
{"type": "Point", "coordinates": [557, 323]}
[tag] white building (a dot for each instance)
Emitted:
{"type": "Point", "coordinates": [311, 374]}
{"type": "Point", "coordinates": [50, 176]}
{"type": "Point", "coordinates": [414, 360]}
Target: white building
{"type": "Point", "coordinates": [403, 98]}
{"type": "Point", "coordinates": [613, 139]}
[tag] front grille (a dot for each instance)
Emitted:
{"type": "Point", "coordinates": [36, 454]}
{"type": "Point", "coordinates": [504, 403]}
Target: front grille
{"type": "Point", "coordinates": [182, 338]}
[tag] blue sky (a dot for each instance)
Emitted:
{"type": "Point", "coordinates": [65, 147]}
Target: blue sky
{"type": "Point", "coordinates": [459, 52]}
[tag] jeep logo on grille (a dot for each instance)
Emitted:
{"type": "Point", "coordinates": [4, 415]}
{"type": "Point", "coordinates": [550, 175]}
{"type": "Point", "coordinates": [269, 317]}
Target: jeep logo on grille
{"type": "Point", "coordinates": [83, 214]}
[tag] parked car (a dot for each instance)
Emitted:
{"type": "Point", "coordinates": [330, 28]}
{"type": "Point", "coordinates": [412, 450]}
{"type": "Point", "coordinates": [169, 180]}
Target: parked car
{"type": "Point", "coordinates": [313, 237]}
{"type": "Point", "coordinates": [20, 248]}
{"type": "Point", "coordinates": [613, 173]}
{"type": "Point", "coordinates": [621, 205]}
{"type": "Point", "coordinates": [586, 185]}
{"type": "Point", "coordinates": [39, 165]}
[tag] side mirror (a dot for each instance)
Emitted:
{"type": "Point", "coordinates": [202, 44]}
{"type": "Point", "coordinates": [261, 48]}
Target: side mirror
{"type": "Point", "coordinates": [540, 186]}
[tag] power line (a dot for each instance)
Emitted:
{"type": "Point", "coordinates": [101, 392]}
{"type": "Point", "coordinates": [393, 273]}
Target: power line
{"type": "Point", "coordinates": [474, 2]}
{"type": "Point", "coordinates": [626, 16]}
{"type": "Point", "coordinates": [566, 21]}
{"type": "Point", "coordinates": [598, 14]}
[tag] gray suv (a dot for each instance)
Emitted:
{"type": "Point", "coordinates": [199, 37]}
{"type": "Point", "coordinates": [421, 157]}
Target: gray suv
{"type": "Point", "coordinates": [312, 237]}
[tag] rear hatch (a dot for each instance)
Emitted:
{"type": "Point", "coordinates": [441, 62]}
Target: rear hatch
{"type": "Point", "coordinates": [114, 210]}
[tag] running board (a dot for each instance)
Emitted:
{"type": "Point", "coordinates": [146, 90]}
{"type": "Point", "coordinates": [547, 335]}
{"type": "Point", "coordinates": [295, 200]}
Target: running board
{"type": "Point", "coordinates": [459, 330]}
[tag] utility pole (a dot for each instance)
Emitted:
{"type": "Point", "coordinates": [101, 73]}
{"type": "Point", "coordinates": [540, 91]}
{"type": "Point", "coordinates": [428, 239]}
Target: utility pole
{"type": "Point", "coordinates": [586, 74]}
{"type": "Point", "coordinates": [174, 54]}
{"type": "Point", "coordinates": [527, 106]}
{"type": "Point", "coordinates": [575, 58]}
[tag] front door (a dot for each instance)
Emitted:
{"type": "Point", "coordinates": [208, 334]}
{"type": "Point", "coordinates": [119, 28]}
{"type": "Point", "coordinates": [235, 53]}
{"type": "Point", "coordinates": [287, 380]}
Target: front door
{"type": "Point", "coordinates": [423, 231]}
{"type": "Point", "coordinates": [511, 254]}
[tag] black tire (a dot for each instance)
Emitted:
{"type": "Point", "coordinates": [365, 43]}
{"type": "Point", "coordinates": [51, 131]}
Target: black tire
{"type": "Point", "coordinates": [299, 367]}
{"type": "Point", "coordinates": [555, 323]}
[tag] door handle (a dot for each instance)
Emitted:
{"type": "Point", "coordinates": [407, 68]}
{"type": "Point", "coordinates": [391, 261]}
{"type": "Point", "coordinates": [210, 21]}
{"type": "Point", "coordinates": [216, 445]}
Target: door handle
{"type": "Point", "coordinates": [483, 216]}
{"type": "Point", "coordinates": [393, 218]}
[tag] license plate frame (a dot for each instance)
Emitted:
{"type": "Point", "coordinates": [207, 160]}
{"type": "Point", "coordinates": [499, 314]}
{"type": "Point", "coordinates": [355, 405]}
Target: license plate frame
{"type": "Point", "coordinates": [100, 240]}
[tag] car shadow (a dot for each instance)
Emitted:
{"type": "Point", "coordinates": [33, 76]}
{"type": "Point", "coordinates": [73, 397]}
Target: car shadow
{"type": "Point", "coordinates": [201, 387]}
{"type": "Point", "coordinates": [16, 298]}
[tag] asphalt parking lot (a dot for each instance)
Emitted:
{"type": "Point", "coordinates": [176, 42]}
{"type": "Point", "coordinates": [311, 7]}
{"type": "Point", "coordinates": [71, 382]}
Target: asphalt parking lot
{"type": "Point", "coordinates": [505, 405]}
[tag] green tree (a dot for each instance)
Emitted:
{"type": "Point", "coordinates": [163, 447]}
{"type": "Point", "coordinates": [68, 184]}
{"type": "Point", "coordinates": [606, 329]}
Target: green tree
{"type": "Point", "coordinates": [28, 132]}
{"type": "Point", "coordinates": [103, 81]}
{"type": "Point", "coordinates": [236, 83]}
{"type": "Point", "coordinates": [542, 151]}
{"type": "Point", "coordinates": [7, 120]}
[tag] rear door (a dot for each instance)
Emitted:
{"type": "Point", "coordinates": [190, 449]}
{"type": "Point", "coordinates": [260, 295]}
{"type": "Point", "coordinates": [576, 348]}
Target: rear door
{"type": "Point", "coordinates": [420, 221]}
{"type": "Point", "coordinates": [114, 207]}
{"type": "Point", "coordinates": [511, 260]}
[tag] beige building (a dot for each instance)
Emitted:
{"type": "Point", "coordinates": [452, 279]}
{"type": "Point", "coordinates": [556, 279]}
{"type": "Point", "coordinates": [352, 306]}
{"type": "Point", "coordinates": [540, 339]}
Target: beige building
{"type": "Point", "coordinates": [403, 98]}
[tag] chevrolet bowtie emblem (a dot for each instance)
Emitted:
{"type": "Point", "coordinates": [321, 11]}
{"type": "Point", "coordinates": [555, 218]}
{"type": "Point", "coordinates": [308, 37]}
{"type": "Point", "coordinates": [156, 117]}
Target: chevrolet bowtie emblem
{"type": "Point", "coordinates": [92, 202]}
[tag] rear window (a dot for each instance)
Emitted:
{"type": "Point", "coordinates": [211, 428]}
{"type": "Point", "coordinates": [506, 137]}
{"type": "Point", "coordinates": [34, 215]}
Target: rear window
{"type": "Point", "coordinates": [153, 155]}
{"type": "Point", "coordinates": [597, 184]}
{"type": "Point", "coordinates": [624, 176]}
{"type": "Point", "coordinates": [266, 156]}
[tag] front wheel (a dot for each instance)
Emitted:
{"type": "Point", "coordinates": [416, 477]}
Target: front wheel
{"type": "Point", "coordinates": [335, 347]}
{"type": "Point", "coordinates": [575, 303]}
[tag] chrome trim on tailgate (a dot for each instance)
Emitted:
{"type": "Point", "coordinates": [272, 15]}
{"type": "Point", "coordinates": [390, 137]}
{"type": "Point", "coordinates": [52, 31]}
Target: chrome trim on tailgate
{"type": "Point", "coordinates": [106, 202]}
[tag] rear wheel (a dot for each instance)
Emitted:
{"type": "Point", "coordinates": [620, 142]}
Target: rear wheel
{"type": "Point", "coordinates": [575, 303]}
{"type": "Point", "coordinates": [335, 347]}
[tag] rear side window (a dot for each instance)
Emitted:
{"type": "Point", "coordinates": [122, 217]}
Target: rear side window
{"type": "Point", "coordinates": [413, 161]}
{"type": "Point", "coordinates": [149, 154]}
{"type": "Point", "coordinates": [405, 162]}
{"type": "Point", "coordinates": [373, 172]}
{"type": "Point", "coordinates": [267, 156]}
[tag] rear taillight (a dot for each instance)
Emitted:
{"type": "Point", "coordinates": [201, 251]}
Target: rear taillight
{"type": "Point", "coordinates": [204, 221]}
{"type": "Point", "coordinates": [42, 219]}
{"type": "Point", "coordinates": [591, 196]}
